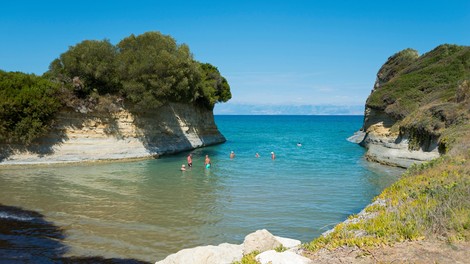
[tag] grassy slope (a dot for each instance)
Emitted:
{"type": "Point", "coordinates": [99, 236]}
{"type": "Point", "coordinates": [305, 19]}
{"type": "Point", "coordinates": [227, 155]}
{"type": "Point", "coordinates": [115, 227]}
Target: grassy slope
{"type": "Point", "coordinates": [431, 200]}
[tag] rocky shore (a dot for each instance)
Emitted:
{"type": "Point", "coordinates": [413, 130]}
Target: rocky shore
{"type": "Point", "coordinates": [271, 249]}
{"type": "Point", "coordinates": [390, 148]}
{"type": "Point", "coordinates": [81, 136]}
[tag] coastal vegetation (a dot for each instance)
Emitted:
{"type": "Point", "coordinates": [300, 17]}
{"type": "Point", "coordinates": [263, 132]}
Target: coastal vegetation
{"type": "Point", "coordinates": [429, 96]}
{"type": "Point", "coordinates": [28, 104]}
{"type": "Point", "coordinates": [140, 73]}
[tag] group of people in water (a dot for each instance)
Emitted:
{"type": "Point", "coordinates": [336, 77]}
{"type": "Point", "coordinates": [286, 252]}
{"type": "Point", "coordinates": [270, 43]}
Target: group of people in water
{"type": "Point", "coordinates": [189, 158]}
{"type": "Point", "coordinates": [207, 160]}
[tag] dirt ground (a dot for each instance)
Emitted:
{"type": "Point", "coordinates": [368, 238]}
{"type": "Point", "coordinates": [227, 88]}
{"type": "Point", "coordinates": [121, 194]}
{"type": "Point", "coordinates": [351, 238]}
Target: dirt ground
{"type": "Point", "coordinates": [407, 252]}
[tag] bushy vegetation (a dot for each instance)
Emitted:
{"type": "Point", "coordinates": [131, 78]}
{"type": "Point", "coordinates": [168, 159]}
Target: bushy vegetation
{"type": "Point", "coordinates": [429, 79]}
{"type": "Point", "coordinates": [141, 73]}
{"type": "Point", "coordinates": [148, 70]}
{"type": "Point", "coordinates": [28, 104]}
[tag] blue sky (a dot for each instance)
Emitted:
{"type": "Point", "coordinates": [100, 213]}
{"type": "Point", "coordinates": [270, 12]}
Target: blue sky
{"type": "Point", "coordinates": [272, 52]}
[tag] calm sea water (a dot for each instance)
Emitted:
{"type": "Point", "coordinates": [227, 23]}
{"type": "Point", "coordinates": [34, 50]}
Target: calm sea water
{"type": "Point", "coordinates": [148, 209]}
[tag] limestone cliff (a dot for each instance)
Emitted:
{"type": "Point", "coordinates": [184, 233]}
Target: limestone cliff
{"type": "Point", "coordinates": [416, 106]}
{"type": "Point", "coordinates": [94, 136]}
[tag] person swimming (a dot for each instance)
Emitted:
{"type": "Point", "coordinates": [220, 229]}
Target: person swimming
{"type": "Point", "coordinates": [232, 155]}
{"type": "Point", "coordinates": [207, 162]}
{"type": "Point", "coordinates": [190, 160]}
{"type": "Point", "coordinates": [273, 156]}
{"type": "Point", "coordinates": [256, 155]}
{"type": "Point", "coordinates": [183, 167]}
{"type": "Point", "coordinates": [299, 144]}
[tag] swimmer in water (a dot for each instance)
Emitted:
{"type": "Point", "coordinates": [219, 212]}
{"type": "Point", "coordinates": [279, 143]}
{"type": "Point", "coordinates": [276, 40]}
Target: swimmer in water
{"type": "Point", "coordinates": [207, 162]}
{"type": "Point", "coordinates": [256, 155]}
{"type": "Point", "coordinates": [232, 155]}
{"type": "Point", "coordinates": [299, 145]}
{"type": "Point", "coordinates": [273, 156]}
{"type": "Point", "coordinates": [190, 160]}
{"type": "Point", "coordinates": [183, 167]}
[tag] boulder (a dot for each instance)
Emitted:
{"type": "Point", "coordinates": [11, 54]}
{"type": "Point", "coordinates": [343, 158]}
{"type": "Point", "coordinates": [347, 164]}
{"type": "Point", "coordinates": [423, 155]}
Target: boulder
{"type": "Point", "coordinates": [286, 257]}
{"type": "Point", "coordinates": [260, 240]}
{"type": "Point", "coordinates": [221, 254]}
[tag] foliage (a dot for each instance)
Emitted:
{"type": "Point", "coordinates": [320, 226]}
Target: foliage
{"type": "Point", "coordinates": [28, 104]}
{"type": "Point", "coordinates": [88, 66]}
{"type": "Point", "coordinates": [432, 78]}
{"type": "Point", "coordinates": [280, 248]}
{"type": "Point", "coordinates": [148, 70]}
{"type": "Point", "coordinates": [154, 69]}
{"type": "Point", "coordinates": [248, 258]}
{"type": "Point", "coordinates": [213, 88]}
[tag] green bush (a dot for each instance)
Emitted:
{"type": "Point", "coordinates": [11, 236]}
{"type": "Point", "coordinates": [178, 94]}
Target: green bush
{"type": "Point", "coordinates": [28, 104]}
{"type": "Point", "coordinates": [87, 66]}
{"type": "Point", "coordinates": [148, 70]}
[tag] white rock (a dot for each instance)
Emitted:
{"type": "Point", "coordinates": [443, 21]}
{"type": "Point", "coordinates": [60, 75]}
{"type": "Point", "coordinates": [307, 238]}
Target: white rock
{"type": "Point", "coordinates": [288, 242]}
{"type": "Point", "coordinates": [260, 240]}
{"type": "Point", "coordinates": [222, 254]}
{"type": "Point", "coordinates": [286, 257]}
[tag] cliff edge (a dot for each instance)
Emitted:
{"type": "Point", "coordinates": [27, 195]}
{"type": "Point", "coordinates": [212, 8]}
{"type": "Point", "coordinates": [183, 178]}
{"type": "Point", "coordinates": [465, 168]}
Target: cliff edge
{"type": "Point", "coordinates": [98, 136]}
{"type": "Point", "coordinates": [418, 106]}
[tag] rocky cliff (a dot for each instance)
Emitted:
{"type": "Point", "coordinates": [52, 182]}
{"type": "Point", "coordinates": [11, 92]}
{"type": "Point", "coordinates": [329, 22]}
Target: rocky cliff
{"type": "Point", "coordinates": [95, 136]}
{"type": "Point", "coordinates": [417, 106]}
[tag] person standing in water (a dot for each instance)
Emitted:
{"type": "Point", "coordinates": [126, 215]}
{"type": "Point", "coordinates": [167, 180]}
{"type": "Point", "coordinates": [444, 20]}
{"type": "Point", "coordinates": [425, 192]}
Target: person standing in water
{"type": "Point", "coordinates": [207, 162]}
{"type": "Point", "coordinates": [256, 155]}
{"type": "Point", "coordinates": [232, 155]}
{"type": "Point", "coordinates": [273, 156]}
{"type": "Point", "coordinates": [190, 160]}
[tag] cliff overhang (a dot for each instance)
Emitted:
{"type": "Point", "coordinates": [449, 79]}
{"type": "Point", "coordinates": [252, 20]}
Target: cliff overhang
{"type": "Point", "coordinates": [121, 135]}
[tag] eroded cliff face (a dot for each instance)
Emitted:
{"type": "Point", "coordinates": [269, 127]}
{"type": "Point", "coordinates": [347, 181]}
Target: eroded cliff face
{"type": "Point", "coordinates": [387, 145]}
{"type": "Point", "coordinates": [93, 136]}
{"type": "Point", "coordinates": [387, 140]}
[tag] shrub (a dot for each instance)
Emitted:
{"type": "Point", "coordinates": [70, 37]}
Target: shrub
{"type": "Point", "coordinates": [28, 104]}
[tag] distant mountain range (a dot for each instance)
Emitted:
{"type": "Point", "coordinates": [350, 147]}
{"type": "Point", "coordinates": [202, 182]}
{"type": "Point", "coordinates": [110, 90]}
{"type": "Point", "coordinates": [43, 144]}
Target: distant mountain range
{"type": "Point", "coordinates": [264, 109]}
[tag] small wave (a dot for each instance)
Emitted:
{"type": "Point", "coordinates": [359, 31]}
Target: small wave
{"type": "Point", "coordinates": [357, 137]}
{"type": "Point", "coordinates": [4, 215]}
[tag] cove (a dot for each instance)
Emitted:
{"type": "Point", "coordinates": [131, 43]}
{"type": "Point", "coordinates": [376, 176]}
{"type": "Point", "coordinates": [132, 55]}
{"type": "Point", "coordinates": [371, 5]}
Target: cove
{"type": "Point", "coordinates": [148, 209]}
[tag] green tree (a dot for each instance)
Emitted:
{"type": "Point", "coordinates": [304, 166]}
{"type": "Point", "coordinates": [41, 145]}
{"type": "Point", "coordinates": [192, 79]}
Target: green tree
{"type": "Point", "coordinates": [28, 104]}
{"type": "Point", "coordinates": [155, 70]}
{"type": "Point", "coordinates": [89, 65]}
{"type": "Point", "coordinates": [213, 88]}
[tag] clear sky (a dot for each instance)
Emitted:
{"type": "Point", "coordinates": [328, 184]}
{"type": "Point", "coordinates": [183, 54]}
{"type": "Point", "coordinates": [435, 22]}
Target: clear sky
{"type": "Point", "coordinates": [271, 52]}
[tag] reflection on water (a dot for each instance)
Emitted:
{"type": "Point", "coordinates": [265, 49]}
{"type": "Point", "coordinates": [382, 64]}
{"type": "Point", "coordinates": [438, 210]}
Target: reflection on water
{"type": "Point", "coordinates": [148, 209]}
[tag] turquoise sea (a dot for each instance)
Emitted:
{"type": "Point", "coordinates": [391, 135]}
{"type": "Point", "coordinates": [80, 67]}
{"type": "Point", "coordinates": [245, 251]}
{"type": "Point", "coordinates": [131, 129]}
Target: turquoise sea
{"type": "Point", "coordinates": [148, 209]}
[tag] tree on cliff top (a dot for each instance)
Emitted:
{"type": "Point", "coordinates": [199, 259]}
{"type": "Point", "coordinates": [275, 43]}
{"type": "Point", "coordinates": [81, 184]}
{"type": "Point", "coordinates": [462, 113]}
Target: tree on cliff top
{"type": "Point", "coordinates": [148, 70]}
{"type": "Point", "coordinates": [93, 62]}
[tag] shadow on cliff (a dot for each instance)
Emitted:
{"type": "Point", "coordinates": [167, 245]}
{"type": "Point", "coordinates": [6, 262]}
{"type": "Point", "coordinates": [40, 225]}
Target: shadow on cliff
{"type": "Point", "coordinates": [170, 134]}
{"type": "Point", "coordinates": [41, 147]}
{"type": "Point", "coordinates": [45, 145]}
{"type": "Point", "coordinates": [25, 237]}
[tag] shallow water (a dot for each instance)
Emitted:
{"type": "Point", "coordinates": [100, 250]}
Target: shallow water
{"type": "Point", "coordinates": [148, 209]}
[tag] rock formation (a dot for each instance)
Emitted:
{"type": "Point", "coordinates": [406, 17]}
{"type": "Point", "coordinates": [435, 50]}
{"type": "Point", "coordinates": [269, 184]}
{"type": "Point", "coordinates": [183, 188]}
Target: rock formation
{"type": "Point", "coordinates": [260, 241]}
{"type": "Point", "coordinates": [415, 102]}
{"type": "Point", "coordinates": [94, 136]}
